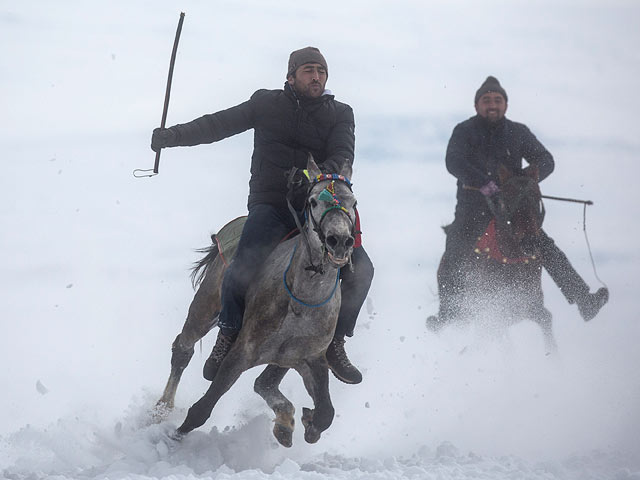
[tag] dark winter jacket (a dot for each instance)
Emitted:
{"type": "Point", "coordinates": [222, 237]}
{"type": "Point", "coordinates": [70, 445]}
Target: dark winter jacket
{"type": "Point", "coordinates": [286, 129]}
{"type": "Point", "coordinates": [477, 147]}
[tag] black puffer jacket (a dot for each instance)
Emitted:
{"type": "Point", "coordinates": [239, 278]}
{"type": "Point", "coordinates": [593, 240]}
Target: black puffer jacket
{"type": "Point", "coordinates": [286, 129]}
{"type": "Point", "coordinates": [477, 147]}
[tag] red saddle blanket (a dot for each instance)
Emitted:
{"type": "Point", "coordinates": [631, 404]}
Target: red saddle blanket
{"type": "Point", "coordinates": [487, 245]}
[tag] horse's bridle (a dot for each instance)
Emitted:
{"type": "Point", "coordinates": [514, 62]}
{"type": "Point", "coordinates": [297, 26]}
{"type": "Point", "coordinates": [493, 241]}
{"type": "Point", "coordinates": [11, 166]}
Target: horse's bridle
{"type": "Point", "coordinates": [330, 195]}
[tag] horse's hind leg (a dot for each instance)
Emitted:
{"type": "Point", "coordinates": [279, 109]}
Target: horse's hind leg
{"type": "Point", "coordinates": [315, 374]}
{"type": "Point", "coordinates": [230, 370]}
{"type": "Point", "coordinates": [266, 385]}
{"type": "Point", "coordinates": [202, 317]}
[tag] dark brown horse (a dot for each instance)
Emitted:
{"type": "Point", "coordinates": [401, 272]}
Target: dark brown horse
{"type": "Point", "coordinates": [501, 278]}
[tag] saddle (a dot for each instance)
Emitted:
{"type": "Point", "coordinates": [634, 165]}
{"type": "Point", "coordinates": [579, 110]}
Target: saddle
{"type": "Point", "coordinates": [228, 238]}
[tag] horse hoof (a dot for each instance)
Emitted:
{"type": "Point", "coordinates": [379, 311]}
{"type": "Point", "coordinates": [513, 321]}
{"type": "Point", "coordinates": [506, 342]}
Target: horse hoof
{"type": "Point", "coordinates": [177, 435]}
{"type": "Point", "coordinates": [160, 412]}
{"type": "Point", "coordinates": [311, 433]}
{"type": "Point", "coordinates": [284, 425]}
{"type": "Point", "coordinates": [307, 416]}
{"type": "Point", "coordinates": [283, 434]}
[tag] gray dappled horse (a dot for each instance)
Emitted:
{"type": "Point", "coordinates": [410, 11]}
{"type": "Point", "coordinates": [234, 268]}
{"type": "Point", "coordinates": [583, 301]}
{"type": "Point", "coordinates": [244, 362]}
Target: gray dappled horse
{"type": "Point", "coordinates": [501, 281]}
{"type": "Point", "coordinates": [290, 315]}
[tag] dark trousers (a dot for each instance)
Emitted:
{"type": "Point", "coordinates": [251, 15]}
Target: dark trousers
{"type": "Point", "coordinates": [470, 222]}
{"type": "Point", "coordinates": [265, 227]}
{"type": "Point", "coordinates": [354, 286]}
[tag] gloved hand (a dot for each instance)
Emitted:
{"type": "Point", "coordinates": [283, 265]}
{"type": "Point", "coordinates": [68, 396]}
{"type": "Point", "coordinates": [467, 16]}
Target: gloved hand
{"type": "Point", "coordinates": [329, 166]}
{"type": "Point", "coordinates": [162, 137]}
{"type": "Point", "coordinates": [298, 189]}
{"type": "Point", "coordinates": [490, 189]}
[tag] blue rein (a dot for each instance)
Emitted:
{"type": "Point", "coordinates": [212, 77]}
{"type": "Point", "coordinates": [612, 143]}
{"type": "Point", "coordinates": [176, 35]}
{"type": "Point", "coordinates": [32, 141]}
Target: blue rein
{"type": "Point", "coordinates": [290, 293]}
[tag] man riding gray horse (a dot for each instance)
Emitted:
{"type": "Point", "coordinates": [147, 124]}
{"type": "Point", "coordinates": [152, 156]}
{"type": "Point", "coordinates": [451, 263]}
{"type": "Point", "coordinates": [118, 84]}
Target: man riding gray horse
{"type": "Point", "coordinates": [289, 124]}
{"type": "Point", "coordinates": [476, 148]}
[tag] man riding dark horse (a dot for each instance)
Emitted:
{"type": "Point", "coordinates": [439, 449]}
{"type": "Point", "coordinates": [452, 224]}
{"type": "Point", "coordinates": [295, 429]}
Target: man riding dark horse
{"type": "Point", "coordinates": [476, 148]}
{"type": "Point", "coordinates": [289, 124]}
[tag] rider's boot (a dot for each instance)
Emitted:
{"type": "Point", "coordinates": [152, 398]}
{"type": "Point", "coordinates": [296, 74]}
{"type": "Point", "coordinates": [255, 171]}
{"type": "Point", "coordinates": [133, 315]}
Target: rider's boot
{"type": "Point", "coordinates": [220, 350]}
{"type": "Point", "coordinates": [589, 304]}
{"type": "Point", "coordinates": [573, 287]}
{"type": "Point", "coordinates": [339, 363]}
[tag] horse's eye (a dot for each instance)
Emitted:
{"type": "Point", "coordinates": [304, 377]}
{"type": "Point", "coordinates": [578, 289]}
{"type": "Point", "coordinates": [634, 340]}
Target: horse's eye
{"type": "Point", "coordinates": [313, 203]}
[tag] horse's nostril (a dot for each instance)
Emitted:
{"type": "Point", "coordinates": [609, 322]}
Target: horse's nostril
{"type": "Point", "coordinates": [349, 243]}
{"type": "Point", "coordinates": [332, 241]}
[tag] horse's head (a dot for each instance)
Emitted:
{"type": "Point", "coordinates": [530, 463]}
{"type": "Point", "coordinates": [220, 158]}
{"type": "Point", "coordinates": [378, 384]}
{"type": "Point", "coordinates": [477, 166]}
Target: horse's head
{"type": "Point", "coordinates": [331, 214]}
{"type": "Point", "coordinates": [520, 211]}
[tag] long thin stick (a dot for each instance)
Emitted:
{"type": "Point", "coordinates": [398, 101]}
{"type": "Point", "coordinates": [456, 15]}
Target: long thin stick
{"type": "Point", "coordinates": [167, 94]}
{"type": "Point", "coordinates": [563, 199]}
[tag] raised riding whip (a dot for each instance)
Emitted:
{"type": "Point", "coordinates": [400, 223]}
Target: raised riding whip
{"type": "Point", "coordinates": [584, 228]}
{"type": "Point", "coordinates": [167, 94]}
{"type": "Point", "coordinates": [564, 199]}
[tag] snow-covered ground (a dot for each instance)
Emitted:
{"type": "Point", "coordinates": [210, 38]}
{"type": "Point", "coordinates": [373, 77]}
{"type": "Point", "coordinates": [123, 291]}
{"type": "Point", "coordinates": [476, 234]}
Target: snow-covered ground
{"type": "Point", "coordinates": [94, 271]}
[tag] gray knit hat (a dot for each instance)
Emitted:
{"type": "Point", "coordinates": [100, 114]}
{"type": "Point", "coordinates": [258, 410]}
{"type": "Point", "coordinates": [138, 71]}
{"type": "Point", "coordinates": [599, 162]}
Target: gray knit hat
{"type": "Point", "coordinates": [491, 84]}
{"type": "Point", "coordinates": [305, 55]}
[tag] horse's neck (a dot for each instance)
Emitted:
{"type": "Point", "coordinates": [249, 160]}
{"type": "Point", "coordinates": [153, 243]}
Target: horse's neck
{"type": "Point", "coordinates": [506, 241]}
{"type": "Point", "coordinates": [508, 244]}
{"type": "Point", "coordinates": [302, 276]}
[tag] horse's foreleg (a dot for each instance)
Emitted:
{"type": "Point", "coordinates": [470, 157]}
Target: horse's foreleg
{"type": "Point", "coordinates": [180, 357]}
{"type": "Point", "coordinates": [201, 318]}
{"type": "Point", "coordinates": [230, 370]}
{"type": "Point", "coordinates": [315, 374]}
{"type": "Point", "coordinates": [266, 385]}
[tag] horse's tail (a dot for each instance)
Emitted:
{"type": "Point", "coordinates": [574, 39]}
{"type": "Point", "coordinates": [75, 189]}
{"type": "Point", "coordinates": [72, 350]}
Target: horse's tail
{"type": "Point", "coordinates": [201, 267]}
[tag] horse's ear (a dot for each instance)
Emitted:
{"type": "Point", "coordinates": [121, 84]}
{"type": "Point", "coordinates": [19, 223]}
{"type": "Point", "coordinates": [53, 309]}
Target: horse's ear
{"type": "Point", "coordinates": [346, 170]}
{"type": "Point", "coordinates": [532, 171]}
{"type": "Point", "coordinates": [312, 168]}
{"type": "Point", "coordinates": [504, 174]}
